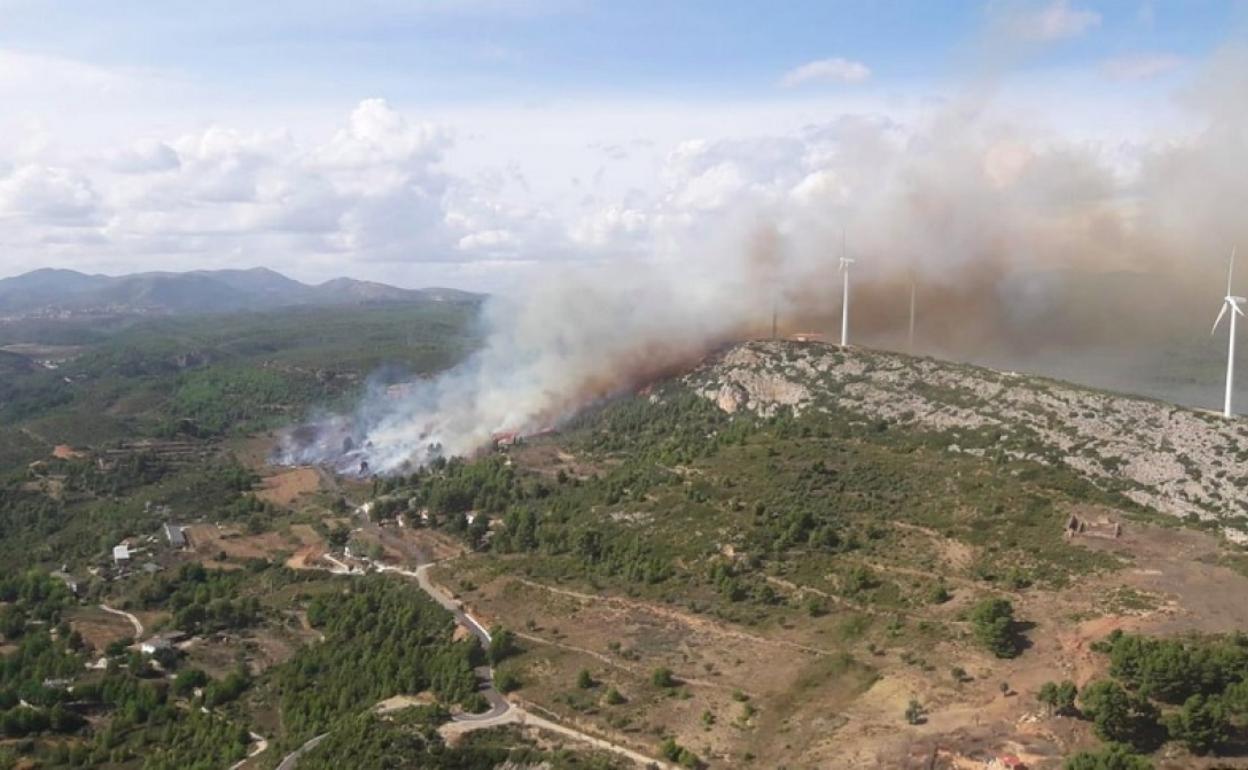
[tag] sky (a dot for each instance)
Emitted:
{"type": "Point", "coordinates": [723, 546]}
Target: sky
{"type": "Point", "coordinates": [483, 144]}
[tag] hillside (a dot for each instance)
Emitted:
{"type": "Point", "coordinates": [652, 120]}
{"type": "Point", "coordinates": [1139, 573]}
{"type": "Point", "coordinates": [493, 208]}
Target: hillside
{"type": "Point", "coordinates": [793, 555]}
{"type": "Point", "coordinates": [50, 292]}
{"type": "Point", "coordinates": [1175, 460]}
{"type": "Point", "coordinates": [805, 536]}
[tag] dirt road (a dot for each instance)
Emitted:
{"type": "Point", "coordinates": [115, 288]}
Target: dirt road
{"type": "Point", "coordinates": [138, 625]}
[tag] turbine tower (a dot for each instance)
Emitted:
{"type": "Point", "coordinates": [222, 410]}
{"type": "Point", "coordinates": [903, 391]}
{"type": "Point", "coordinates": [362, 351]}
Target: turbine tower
{"type": "Point", "coordinates": [845, 263]}
{"type": "Point", "coordinates": [910, 338]}
{"type": "Point", "coordinates": [845, 292]}
{"type": "Point", "coordinates": [1234, 303]}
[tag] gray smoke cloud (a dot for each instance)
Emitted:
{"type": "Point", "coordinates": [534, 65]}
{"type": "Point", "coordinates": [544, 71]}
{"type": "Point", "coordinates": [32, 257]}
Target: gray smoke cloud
{"type": "Point", "coordinates": [1018, 241]}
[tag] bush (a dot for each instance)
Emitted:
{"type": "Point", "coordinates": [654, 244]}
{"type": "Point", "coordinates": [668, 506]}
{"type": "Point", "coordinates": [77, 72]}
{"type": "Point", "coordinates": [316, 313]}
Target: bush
{"type": "Point", "coordinates": [502, 645]}
{"type": "Point", "coordinates": [507, 681]}
{"type": "Point", "coordinates": [914, 712]}
{"type": "Point", "coordinates": [584, 679]}
{"type": "Point", "coordinates": [662, 677]}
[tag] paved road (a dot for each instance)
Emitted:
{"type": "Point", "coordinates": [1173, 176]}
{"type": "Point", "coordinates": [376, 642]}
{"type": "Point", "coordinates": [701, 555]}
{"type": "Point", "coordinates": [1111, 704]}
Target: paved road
{"type": "Point", "coordinates": [498, 704]}
{"type": "Point", "coordinates": [501, 711]}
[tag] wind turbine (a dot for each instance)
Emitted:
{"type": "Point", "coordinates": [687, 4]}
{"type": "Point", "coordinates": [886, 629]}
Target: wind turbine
{"type": "Point", "coordinates": [845, 263]}
{"type": "Point", "coordinates": [910, 338]}
{"type": "Point", "coordinates": [1232, 302]}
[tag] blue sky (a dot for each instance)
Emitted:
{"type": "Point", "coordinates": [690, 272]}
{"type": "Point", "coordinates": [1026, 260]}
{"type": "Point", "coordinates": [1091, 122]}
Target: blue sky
{"type": "Point", "coordinates": [483, 49]}
{"type": "Point", "coordinates": [472, 142]}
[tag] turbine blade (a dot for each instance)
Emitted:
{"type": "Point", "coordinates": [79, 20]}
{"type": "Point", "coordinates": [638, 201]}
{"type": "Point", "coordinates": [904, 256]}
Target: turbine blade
{"type": "Point", "coordinates": [1235, 306]}
{"type": "Point", "coordinates": [1230, 270]}
{"type": "Point", "coordinates": [1221, 313]}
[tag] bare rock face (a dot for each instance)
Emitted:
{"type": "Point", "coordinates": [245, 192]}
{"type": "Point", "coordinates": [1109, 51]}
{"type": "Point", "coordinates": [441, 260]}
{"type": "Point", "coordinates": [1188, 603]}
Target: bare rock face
{"type": "Point", "coordinates": [1178, 461]}
{"type": "Point", "coordinates": [731, 398]}
{"type": "Point", "coordinates": [746, 382]}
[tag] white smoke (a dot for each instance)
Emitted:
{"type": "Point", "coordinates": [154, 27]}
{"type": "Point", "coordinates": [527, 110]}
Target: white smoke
{"type": "Point", "coordinates": [991, 218]}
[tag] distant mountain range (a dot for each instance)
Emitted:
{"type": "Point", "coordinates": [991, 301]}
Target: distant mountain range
{"type": "Point", "coordinates": [51, 292]}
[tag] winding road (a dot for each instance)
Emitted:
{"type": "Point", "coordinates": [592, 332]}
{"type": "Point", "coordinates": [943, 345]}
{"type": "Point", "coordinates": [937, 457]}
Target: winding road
{"type": "Point", "coordinates": [501, 711]}
{"type": "Point", "coordinates": [498, 704]}
{"type": "Point", "coordinates": [138, 625]}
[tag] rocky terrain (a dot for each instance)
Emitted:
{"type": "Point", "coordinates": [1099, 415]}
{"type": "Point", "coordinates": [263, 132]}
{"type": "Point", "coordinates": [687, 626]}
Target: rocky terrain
{"type": "Point", "coordinates": [1178, 461]}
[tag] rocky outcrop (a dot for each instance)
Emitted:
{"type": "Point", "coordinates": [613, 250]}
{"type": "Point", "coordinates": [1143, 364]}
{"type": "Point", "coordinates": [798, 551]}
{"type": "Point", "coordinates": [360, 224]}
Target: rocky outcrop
{"type": "Point", "coordinates": [1178, 461]}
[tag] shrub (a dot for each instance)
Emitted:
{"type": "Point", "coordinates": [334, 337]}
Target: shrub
{"type": "Point", "coordinates": [662, 677]}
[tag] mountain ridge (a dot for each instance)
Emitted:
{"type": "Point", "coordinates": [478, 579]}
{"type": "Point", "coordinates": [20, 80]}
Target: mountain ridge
{"type": "Point", "coordinates": [55, 291]}
{"type": "Point", "coordinates": [1187, 463]}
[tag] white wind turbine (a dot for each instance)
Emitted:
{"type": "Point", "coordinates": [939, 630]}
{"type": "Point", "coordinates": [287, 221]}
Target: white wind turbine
{"type": "Point", "coordinates": [910, 337]}
{"type": "Point", "coordinates": [1234, 303]}
{"type": "Point", "coordinates": [845, 263]}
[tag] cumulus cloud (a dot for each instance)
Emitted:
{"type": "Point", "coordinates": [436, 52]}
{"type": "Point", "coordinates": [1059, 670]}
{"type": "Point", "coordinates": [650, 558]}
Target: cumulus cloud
{"type": "Point", "coordinates": [835, 70]}
{"type": "Point", "coordinates": [371, 191]}
{"type": "Point", "coordinates": [145, 156]}
{"type": "Point", "coordinates": [1141, 66]}
{"type": "Point", "coordinates": [1056, 21]}
{"type": "Point", "coordinates": [48, 195]}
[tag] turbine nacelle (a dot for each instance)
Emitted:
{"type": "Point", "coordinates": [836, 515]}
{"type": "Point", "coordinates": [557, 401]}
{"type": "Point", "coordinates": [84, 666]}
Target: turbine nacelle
{"type": "Point", "coordinates": [1234, 303]}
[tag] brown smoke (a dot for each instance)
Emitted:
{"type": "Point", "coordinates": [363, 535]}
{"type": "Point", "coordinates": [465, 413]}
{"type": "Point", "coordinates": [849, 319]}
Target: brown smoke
{"type": "Point", "coordinates": [1019, 246]}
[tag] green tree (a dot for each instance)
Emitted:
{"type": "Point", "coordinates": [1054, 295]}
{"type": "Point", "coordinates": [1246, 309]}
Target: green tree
{"type": "Point", "coordinates": [502, 645]}
{"type": "Point", "coordinates": [584, 679]}
{"type": "Point", "coordinates": [1115, 756]}
{"type": "Point", "coordinates": [1202, 724]}
{"type": "Point", "coordinates": [1058, 697]}
{"type": "Point", "coordinates": [993, 622]}
{"type": "Point", "coordinates": [1118, 715]}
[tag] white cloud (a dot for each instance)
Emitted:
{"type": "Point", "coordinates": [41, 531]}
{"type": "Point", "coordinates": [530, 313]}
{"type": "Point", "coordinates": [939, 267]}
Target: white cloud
{"type": "Point", "coordinates": [143, 157]}
{"type": "Point", "coordinates": [1055, 21]}
{"type": "Point", "coordinates": [834, 70]}
{"type": "Point", "coordinates": [1142, 66]}
{"type": "Point", "coordinates": [47, 195]}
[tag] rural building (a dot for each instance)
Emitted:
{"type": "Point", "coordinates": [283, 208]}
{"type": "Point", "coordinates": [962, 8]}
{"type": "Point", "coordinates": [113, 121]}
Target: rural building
{"type": "Point", "coordinates": [176, 535]}
{"type": "Point", "coordinates": [121, 554]}
{"type": "Point", "coordinates": [159, 642]}
{"type": "Point", "coordinates": [505, 439]}
{"type": "Point", "coordinates": [154, 645]}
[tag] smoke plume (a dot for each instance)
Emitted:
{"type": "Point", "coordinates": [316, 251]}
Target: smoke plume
{"type": "Point", "coordinates": [1018, 242]}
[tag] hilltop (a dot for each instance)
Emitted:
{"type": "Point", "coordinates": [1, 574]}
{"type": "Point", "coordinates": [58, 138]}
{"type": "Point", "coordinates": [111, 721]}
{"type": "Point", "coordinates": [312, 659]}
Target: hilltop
{"type": "Point", "coordinates": [65, 293]}
{"type": "Point", "coordinates": [1175, 460]}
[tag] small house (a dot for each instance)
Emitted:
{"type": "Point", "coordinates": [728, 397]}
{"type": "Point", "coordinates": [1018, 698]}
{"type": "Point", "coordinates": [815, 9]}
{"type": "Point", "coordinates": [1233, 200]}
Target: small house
{"type": "Point", "coordinates": [121, 555]}
{"type": "Point", "coordinates": [159, 642]}
{"type": "Point", "coordinates": [154, 645]}
{"type": "Point", "coordinates": [176, 535]}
